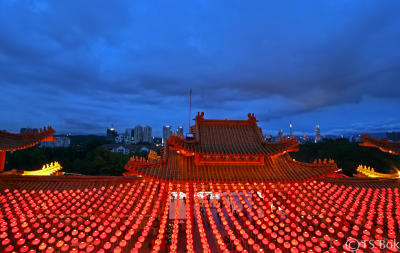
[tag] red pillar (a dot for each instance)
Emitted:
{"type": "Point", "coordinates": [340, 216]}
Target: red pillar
{"type": "Point", "coordinates": [2, 160]}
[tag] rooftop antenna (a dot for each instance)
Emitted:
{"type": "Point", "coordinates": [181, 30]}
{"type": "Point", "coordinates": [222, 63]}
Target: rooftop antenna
{"type": "Point", "coordinates": [189, 135]}
{"type": "Point", "coordinates": [190, 107]}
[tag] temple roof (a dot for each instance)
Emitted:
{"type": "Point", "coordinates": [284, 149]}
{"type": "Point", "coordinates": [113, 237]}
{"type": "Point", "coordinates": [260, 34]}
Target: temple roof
{"type": "Point", "coordinates": [228, 151]}
{"type": "Point", "coordinates": [230, 137]}
{"type": "Point", "coordinates": [184, 168]}
{"type": "Point", "coordinates": [10, 141]}
{"type": "Point", "coordinates": [382, 144]}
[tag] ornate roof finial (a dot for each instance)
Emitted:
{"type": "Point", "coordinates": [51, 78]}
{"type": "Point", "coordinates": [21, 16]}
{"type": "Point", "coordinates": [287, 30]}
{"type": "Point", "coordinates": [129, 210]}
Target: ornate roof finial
{"type": "Point", "coordinates": [199, 116]}
{"type": "Point", "coordinates": [252, 118]}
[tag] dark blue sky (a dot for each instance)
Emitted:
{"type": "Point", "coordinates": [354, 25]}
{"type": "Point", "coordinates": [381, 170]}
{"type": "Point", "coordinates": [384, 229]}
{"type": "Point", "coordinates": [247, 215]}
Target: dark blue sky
{"type": "Point", "coordinates": [81, 66]}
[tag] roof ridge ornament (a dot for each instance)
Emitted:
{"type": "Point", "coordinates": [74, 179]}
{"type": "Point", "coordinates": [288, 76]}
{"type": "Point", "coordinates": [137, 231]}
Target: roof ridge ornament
{"type": "Point", "coordinates": [199, 116]}
{"type": "Point", "coordinates": [252, 118]}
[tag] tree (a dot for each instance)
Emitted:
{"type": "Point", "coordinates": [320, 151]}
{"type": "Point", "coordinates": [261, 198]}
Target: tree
{"type": "Point", "coordinates": [348, 155]}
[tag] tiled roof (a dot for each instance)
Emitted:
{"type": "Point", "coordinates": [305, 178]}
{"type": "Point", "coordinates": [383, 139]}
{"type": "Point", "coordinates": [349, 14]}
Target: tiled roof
{"type": "Point", "coordinates": [228, 151]}
{"type": "Point", "coordinates": [234, 144]}
{"type": "Point", "coordinates": [230, 137]}
{"type": "Point", "coordinates": [9, 141]}
{"type": "Point", "coordinates": [182, 168]}
{"type": "Point", "coordinates": [365, 182]}
{"type": "Point", "coordinates": [382, 144]}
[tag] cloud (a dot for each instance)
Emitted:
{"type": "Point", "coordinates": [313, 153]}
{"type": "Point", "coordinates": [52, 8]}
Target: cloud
{"type": "Point", "coordinates": [280, 60]}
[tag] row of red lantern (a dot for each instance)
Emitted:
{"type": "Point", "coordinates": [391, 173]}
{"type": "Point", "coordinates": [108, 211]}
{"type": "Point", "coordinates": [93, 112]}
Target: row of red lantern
{"type": "Point", "coordinates": [249, 232]}
{"type": "Point", "coordinates": [163, 222]}
{"type": "Point", "coordinates": [323, 211]}
{"type": "Point", "coordinates": [70, 236]}
{"type": "Point", "coordinates": [30, 214]}
{"type": "Point", "coordinates": [322, 224]}
{"type": "Point", "coordinates": [349, 216]}
{"type": "Point", "coordinates": [314, 225]}
{"type": "Point", "coordinates": [175, 229]}
{"type": "Point", "coordinates": [189, 219]}
{"type": "Point", "coordinates": [152, 217]}
{"type": "Point", "coordinates": [285, 230]}
{"type": "Point", "coordinates": [111, 241]}
{"type": "Point", "coordinates": [225, 224]}
{"type": "Point", "coordinates": [200, 227]}
{"type": "Point", "coordinates": [217, 235]}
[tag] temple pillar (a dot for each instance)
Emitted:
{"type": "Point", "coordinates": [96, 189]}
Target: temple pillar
{"type": "Point", "coordinates": [2, 160]}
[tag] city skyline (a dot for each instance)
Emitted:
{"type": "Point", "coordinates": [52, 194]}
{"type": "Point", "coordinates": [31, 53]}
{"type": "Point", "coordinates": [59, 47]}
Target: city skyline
{"type": "Point", "coordinates": [80, 73]}
{"type": "Point", "coordinates": [285, 131]}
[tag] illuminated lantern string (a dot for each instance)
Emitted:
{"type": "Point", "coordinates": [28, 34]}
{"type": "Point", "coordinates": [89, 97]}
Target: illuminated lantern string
{"type": "Point", "coordinates": [163, 221]}
{"type": "Point", "coordinates": [153, 214]}
{"type": "Point", "coordinates": [225, 223]}
{"type": "Point", "coordinates": [239, 228]}
{"type": "Point", "coordinates": [214, 229]}
{"type": "Point", "coordinates": [314, 215]}
{"type": "Point", "coordinates": [201, 230]}
{"type": "Point", "coordinates": [175, 230]}
{"type": "Point", "coordinates": [189, 219]}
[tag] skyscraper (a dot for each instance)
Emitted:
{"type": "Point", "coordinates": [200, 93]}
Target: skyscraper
{"type": "Point", "coordinates": [317, 134]}
{"type": "Point", "coordinates": [179, 130]}
{"type": "Point", "coordinates": [280, 133]}
{"type": "Point", "coordinates": [111, 134]}
{"type": "Point", "coordinates": [138, 137]}
{"type": "Point", "coordinates": [129, 132]}
{"type": "Point", "coordinates": [166, 133]}
{"type": "Point", "coordinates": [132, 135]}
{"type": "Point", "coordinates": [147, 134]}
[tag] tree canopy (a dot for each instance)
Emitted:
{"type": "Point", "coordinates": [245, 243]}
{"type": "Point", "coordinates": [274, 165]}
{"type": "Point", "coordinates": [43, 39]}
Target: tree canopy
{"type": "Point", "coordinates": [348, 155]}
{"type": "Point", "coordinates": [90, 158]}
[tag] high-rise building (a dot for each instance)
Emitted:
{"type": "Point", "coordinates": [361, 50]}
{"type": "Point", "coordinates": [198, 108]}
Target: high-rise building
{"type": "Point", "coordinates": [138, 137]}
{"type": "Point", "coordinates": [147, 135]}
{"type": "Point", "coordinates": [393, 136]}
{"type": "Point", "coordinates": [280, 133]}
{"type": "Point", "coordinates": [111, 134]}
{"type": "Point", "coordinates": [179, 130]}
{"type": "Point", "coordinates": [166, 133]}
{"type": "Point", "coordinates": [129, 132]}
{"type": "Point", "coordinates": [120, 138]}
{"type": "Point", "coordinates": [132, 135]}
{"type": "Point", "coordinates": [128, 139]}
{"type": "Point", "coordinates": [317, 134]}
